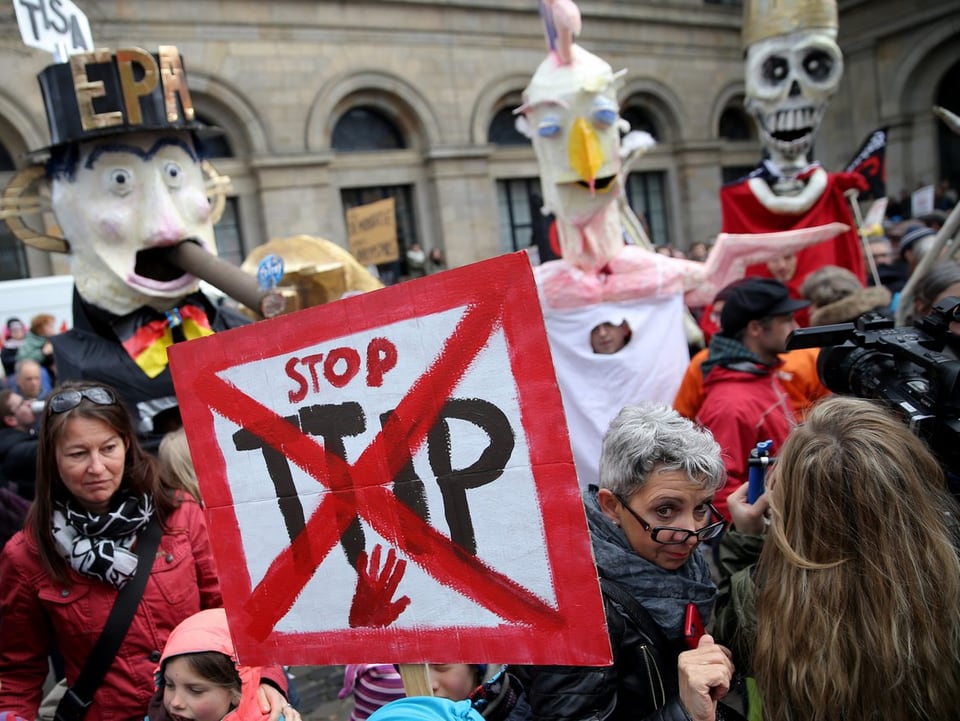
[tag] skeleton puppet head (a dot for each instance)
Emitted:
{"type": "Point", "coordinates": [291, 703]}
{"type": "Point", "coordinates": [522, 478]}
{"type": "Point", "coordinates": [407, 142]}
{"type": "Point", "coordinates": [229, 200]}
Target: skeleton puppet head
{"type": "Point", "coordinates": [793, 67]}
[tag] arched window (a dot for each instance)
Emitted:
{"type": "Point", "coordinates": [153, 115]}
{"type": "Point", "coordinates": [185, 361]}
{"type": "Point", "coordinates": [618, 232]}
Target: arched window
{"type": "Point", "coordinates": [214, 145]}
{"type": "Point", "coordinates": [734, 124]}
{"type": "Point", "coordinates": [13, 259]}
{"type": "Point", "coordinates": [6, 160]}
{"type": "Point", "coordinates": [365, 128]}
{"type": "Point", "coordinates": [503, 129]}
{"type": "Point", "coordinates": [948, 96]}
{"type": "Point", "coordinates": [641, 119]}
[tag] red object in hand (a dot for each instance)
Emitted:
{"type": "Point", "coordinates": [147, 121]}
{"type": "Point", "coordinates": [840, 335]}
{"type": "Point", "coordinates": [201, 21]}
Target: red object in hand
{"type": "Point", "coordinates": [692, 626]}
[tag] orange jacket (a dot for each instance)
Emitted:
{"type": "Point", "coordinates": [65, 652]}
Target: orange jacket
{"type": "Point", "coordinates": [797, 375]}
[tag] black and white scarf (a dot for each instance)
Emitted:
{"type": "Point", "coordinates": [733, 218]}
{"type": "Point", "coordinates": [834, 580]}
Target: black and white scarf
{"type": "Point", "coordinates": [98, 545]}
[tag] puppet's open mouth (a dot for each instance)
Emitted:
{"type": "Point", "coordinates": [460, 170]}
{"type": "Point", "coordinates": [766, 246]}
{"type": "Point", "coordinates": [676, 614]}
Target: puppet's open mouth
{"type": "Point", "coordinates": [788, 136]}
{"type": "Point", "coordinates": [155, 264]}
{"type": "Point", "coordinates": [600, 184]}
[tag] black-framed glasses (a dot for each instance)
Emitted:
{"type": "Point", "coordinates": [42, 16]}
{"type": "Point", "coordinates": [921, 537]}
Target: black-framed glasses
{"type": "Point", "coordinates": [669, 536]}
{"type": "Point", "coordinates": [70, 399]}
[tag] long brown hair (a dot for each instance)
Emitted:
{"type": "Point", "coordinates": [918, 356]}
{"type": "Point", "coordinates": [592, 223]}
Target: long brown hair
{"type": "Point", "coordinates": [140, 472]}
{"type": "Point", "coordinates": [859, 578]}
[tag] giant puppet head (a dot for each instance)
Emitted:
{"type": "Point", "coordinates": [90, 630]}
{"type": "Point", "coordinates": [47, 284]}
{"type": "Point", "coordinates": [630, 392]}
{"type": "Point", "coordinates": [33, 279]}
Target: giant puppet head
{"type": "Point", "coordinates": [793, 67]}
{"type": "Point", "coordinates": [571, 114]}
{"type": "Point", "coordinates": [125, 179]}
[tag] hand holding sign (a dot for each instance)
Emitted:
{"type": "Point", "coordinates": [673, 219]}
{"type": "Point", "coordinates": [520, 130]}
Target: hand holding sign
{"type": "Point", "coordinates": [372, 604]}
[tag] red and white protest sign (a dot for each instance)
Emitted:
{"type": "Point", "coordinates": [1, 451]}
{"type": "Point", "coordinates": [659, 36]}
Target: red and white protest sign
{"type": "Point", "coordinates": [389, 478]}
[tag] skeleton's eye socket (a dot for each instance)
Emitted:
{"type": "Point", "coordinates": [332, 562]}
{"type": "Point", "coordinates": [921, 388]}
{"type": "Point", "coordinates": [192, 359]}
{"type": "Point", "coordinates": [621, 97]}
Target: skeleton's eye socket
{"type": "Point", "coordinates": [818, 65]}
{"type": "Point", "coordinates": [549, 127]}
{"type": "Point", "coordinates": [775, 69]}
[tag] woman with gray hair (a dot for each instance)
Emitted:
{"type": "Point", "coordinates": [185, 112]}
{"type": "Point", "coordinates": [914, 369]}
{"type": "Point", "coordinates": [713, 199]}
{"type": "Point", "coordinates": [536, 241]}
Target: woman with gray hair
{"type": "Point", "coordinates": [658, 475]}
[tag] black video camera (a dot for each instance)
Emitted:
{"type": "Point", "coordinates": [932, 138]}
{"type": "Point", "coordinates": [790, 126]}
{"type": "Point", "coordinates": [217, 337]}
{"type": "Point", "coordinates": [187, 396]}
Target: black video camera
{"type": "Point", "coordinates": [914, 370]}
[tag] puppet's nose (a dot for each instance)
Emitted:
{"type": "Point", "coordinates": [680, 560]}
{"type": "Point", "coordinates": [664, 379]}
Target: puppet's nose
{"type": "Point", "coordinates": [162, 218]}
{"type": "Point", "coordinates": [586, 154]}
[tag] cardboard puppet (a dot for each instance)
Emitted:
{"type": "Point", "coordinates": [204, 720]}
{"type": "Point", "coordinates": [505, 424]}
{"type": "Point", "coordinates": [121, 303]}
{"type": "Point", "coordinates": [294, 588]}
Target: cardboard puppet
{"type": "Point", "coordinates": [793, 68]}
{"type": "Point", "coordinates": [134, 206]}
{"type": "Point", "coordinates": [571, 114]}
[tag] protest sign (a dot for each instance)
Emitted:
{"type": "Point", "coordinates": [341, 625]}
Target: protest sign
{"type": "Point", "coordinates": [53, 25]}
{"type": "Point", "coordinates": [389, 477]}
{"type": "Point", "coordinates": [372, 232]}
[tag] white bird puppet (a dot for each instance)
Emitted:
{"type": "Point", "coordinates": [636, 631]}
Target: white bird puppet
{"type": "Point", "coordinates": [571, 114]}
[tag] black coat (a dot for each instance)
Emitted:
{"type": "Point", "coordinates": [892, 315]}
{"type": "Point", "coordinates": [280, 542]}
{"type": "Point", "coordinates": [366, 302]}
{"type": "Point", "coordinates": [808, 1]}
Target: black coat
{"type": "Point", "coordinates": [640, 685]}
{"type": "Point", "coordinates": [18, 459]}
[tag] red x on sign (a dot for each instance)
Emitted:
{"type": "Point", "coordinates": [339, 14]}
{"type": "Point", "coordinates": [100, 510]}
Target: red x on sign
{"type": "Point", "coordinates": [389, 477]}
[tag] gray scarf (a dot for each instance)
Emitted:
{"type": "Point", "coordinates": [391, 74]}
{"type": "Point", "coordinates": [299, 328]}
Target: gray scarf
{"type": "Point", "coordinates": [664, 594]}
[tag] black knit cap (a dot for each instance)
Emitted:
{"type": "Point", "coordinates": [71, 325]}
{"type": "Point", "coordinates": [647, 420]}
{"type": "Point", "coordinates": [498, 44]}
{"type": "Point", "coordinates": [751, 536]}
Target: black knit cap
{"type": "Point", "coordinates": [754, 299]}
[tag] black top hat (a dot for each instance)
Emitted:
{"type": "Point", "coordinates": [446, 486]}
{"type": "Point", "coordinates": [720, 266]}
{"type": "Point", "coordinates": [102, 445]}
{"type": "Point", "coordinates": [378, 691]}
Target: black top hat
{"type": "Point", "coordinates": [100, 93]}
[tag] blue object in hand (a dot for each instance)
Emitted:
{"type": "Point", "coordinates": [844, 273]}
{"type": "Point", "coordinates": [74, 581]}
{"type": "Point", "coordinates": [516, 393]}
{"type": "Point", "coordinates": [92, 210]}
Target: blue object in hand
{"type": "Point", "coordinates": [759, 462]}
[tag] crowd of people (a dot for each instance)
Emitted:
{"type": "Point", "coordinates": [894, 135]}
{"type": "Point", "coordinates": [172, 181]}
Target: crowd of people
{"type": "Point", "coordinates": [854, 541]}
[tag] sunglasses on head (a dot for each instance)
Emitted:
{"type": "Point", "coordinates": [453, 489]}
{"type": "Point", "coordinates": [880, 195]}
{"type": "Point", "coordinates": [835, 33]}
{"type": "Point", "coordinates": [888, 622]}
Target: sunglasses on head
{"type": "Point", "coordinates": [70, 399]}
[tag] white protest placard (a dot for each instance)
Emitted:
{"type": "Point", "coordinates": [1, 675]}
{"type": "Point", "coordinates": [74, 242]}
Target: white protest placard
{"type": "Point", "coordinates": [52, 24]}
{"type": "Point", "coordinates": [921, 201]}
{"type": "Point", "coordinates": [389, 476]}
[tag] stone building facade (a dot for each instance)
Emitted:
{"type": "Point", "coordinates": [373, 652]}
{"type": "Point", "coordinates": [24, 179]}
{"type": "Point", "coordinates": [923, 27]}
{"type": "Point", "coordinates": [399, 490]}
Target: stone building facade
{"type": "Point", "coordinates": [330, 104]}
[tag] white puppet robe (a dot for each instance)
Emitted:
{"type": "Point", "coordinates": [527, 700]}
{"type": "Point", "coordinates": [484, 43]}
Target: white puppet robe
{"type": "Point", "coordinates": [594, 387]}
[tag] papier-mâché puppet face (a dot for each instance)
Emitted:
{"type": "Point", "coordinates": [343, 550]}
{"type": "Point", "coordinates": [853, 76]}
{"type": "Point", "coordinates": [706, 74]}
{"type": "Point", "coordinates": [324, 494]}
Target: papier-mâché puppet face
{"type": "Point", "coordinates": [572, 117]}
{"type": "Point", "coordinates": [789, 80]}
{"type": "Point", "coordinates": [126, 199]}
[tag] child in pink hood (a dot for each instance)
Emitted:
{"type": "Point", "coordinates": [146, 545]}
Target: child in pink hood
{"type": "Point", "coordinates": [199, 678]}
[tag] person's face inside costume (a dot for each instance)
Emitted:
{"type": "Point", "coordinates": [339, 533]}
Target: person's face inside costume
{"type": "Point", "coordinates": [130, 197]}
{"type": "Point", "coordinates": [90, 458]}
{"type": "Point", "coordinates": [668, 498]}
{"type": "Point", "coordinates": [189, 696]}
{"type": "Point", "coordinates": [783, 268]}
{"type": "Point", "coordinates": [607, 338]}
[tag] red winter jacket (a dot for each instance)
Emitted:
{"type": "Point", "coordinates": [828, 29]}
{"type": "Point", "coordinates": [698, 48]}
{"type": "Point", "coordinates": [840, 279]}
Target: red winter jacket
{"type": "Point", "coordinates": [742, 409]}
{"type": "Point", "coordinates": [35, 612]}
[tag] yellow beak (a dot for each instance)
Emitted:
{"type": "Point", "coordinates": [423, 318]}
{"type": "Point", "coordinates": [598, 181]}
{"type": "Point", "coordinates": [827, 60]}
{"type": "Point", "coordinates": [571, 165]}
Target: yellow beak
{"type": "Point", "coordinates": [586, 155]}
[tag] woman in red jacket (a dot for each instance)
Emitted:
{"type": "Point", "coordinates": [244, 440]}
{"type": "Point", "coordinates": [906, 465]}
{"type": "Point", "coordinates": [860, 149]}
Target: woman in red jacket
{"type": "Point", "coordinates": [97, 491]}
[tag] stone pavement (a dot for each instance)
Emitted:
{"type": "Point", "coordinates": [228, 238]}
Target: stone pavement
{"type": "Point", "coordinates": [318, 687]}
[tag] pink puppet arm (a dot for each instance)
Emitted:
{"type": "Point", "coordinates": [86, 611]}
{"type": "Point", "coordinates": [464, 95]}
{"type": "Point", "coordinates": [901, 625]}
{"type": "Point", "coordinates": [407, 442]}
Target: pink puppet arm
{"type": "Point", "coordinates": [732, 253]}
{"type": "Point", "coordinates": [640, 273]}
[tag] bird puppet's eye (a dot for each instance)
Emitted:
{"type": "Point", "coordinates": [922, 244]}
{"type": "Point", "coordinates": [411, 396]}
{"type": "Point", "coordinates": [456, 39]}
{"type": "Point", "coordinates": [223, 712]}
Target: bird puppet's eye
{"type": "Point", "coordinates": [549, 127]}
{"type": "Point", "coordinates": [604, 113]}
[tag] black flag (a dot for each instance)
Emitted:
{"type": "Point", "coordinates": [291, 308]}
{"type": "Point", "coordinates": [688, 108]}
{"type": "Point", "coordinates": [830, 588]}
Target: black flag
{"type": "Point", "coordinates": [870, 162]}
